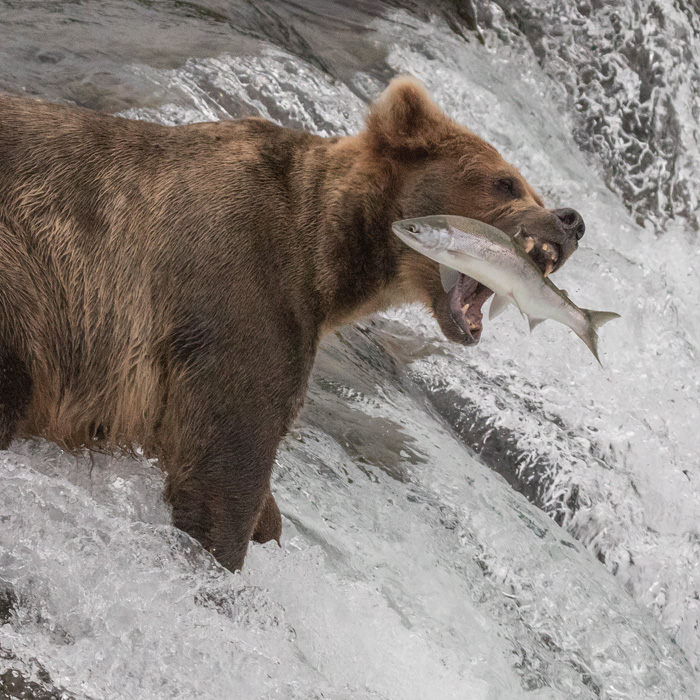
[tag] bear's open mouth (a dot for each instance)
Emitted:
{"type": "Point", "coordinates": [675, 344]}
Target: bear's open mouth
{"type": "Point", "coordinates": [465, 300]}
{"type": "Point", "coordinates": [468, 296]}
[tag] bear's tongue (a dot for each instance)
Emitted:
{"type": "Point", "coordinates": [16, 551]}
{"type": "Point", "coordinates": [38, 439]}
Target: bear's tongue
{"type": "Point", "coordinates": [466, 299]}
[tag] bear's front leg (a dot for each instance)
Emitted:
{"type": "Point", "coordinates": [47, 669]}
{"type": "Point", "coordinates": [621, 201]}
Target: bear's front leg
{"type": "Point", "coordinates": [218, 437]}
{"type": "Point", "coordinates": [218, 490]}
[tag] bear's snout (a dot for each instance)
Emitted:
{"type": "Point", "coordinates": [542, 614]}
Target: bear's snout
{"type": "Point", "coordinates": [571, 221]}
{"type": "Point", "coordinates": [551, 236]}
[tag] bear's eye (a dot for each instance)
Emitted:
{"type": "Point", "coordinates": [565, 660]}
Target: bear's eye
{"type": "Point", "coordinates": [506, 186]}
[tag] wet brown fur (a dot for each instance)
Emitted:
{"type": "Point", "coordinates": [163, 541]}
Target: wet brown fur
{"type": "Point", "coordinates": [168, 287]}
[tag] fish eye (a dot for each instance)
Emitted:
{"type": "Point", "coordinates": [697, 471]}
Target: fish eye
{"type": "Point", "coordinates": [412, 228]}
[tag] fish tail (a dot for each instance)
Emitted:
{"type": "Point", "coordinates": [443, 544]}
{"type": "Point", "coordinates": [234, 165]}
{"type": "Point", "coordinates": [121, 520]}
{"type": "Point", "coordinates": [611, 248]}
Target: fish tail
{"type": "Point", "coordinates": [595, 320]}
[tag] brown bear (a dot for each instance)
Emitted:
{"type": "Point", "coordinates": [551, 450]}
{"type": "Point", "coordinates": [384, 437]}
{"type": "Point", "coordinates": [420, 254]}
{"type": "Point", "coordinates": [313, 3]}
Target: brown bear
{"type": "Point", "coordinates": [168, 286]}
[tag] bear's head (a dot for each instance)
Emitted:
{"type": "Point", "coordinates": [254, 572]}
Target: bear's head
{"type": "Point", "coordinates": [444, 168]}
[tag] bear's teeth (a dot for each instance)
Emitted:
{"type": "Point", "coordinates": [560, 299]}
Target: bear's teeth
{"type": "Point", "coordinates": [529, 244]}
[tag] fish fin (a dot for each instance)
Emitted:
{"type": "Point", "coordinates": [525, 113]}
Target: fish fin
{"type": "Point", "coordinates": [534, 322]}
{"type": "Point", "coordinates": [514, 301]}
{"type": "Point", "coordinates": [595, 320]}
{"type": "Point", "coordinates": [448, 277]}
{"type": "Point", "coordinates": [498, 306]}
{"type": "Point", "coordinates": [598, 318]}
{"type": "Point", "coordinates": [565, 293]}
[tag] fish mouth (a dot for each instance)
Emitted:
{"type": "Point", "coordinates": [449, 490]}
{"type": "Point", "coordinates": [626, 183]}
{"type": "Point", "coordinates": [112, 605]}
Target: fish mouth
{"type": "Point", "coordinates": [467, 297]}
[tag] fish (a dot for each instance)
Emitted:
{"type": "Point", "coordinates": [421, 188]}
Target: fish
{"type": "Point", "coordinates": [502, 264]}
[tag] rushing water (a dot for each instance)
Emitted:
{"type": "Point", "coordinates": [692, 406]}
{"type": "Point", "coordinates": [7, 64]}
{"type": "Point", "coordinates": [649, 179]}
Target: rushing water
{"type": "Point", "coordinates": [508, 521]}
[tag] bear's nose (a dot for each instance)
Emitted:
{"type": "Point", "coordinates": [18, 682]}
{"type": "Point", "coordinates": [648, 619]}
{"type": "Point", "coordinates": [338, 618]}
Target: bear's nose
{"type": "Point", "coordinates": [572, 222]}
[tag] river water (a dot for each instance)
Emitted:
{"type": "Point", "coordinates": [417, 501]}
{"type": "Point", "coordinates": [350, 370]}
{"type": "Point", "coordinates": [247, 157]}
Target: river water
{"type": "Point", "coordinates": [502, 522]}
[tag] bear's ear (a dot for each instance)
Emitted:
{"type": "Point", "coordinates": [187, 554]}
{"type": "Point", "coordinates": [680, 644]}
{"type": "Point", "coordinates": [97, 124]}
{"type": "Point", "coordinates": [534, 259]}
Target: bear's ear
{"type": "Point", "coordinates": [405, 119]}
